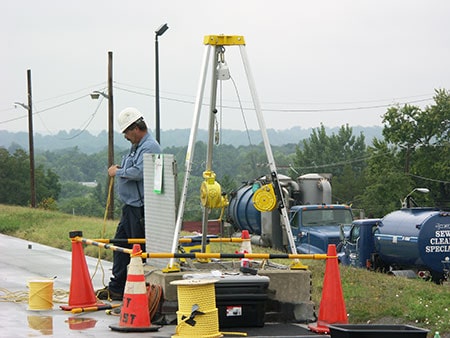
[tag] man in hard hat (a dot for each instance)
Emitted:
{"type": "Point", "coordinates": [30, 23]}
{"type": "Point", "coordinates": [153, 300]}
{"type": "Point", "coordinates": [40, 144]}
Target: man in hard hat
{"type": "Point", "coordinates": [129, 176]}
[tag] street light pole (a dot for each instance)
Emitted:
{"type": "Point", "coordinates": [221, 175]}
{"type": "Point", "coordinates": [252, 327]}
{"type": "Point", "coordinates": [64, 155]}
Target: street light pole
{"type": "Point", "coordinates": [160, 31]}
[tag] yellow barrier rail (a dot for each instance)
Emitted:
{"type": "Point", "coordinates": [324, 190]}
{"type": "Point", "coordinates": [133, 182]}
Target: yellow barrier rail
{"type": "Point", "coordinates": [199, 255]}
{"type": "Point", "coordinates": [181, 240]}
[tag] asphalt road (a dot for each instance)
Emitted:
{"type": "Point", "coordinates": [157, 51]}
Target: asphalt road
{"type": "Point", "coordinates": [21, 261]}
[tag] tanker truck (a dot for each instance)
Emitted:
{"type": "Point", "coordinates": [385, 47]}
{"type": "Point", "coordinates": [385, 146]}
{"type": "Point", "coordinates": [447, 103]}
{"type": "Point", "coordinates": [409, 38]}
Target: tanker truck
{"type": "Point", "coordinates": [314, 221]}
{"type": "Point", "coordinates": [409, 242]}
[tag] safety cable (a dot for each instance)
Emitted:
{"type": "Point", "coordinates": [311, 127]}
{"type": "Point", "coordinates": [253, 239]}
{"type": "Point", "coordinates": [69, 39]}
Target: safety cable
{"type": "Point", "coordinates": [59, 296]}
{"type": "Point", "coordinates": [241, 109]}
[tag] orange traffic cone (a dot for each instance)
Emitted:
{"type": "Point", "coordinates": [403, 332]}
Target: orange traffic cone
{"type": "Point", "coordinates": [81, 292]}
{"type": "Point", "coordinates": [134, 315]}
{"type": "Point", "coordinates": [246, 246]}
{"type": "Point", "coordinates": [332, 306]}
{"type": "Point", "coordinates": [79, 323]}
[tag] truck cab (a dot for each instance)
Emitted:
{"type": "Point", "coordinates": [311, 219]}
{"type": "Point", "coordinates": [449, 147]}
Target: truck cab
{"type": "Point", "coordinates": [314, 227]}
{"type": "Point", "coordinates": [357, 248]}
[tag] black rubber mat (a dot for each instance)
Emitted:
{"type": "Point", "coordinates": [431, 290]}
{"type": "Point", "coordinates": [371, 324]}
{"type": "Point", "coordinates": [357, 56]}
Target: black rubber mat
{"type": "Point", "coordinates": [273, 330]}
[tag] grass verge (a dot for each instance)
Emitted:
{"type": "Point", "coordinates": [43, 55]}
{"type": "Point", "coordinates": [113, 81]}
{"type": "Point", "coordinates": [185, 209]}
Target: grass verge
{"type": "Point", "coordinates": [369, 297]}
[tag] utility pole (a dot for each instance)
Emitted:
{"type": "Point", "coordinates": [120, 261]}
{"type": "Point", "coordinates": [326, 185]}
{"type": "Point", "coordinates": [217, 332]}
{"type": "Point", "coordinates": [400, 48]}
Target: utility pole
{"type": "Point", "coordinates": [31, 142]}
{"type": "Point", "coordinates": [109, 96]}
{"type": "Point", "coordinates": [110, 213]}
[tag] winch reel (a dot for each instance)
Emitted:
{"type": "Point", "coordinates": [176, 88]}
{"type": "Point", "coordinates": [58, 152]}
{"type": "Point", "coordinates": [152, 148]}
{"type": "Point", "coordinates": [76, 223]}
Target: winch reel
{"type": "Point", "coordinates": [264, 198]}
{"type": "Point", "coordinates": [211, 192]}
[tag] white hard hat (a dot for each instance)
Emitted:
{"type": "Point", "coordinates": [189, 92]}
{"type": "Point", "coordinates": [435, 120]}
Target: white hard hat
{"type": "Point", "coordinates": [127, 117]}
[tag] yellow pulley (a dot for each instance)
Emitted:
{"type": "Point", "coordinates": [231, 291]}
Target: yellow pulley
{"type": "Point", "coordinates": [264, 198]}
{"type": "Point", "coordinates": [210, 191]}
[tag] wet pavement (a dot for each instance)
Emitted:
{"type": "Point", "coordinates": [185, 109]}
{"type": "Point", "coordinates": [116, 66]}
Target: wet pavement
{"type": "Point", "coordinates": [21, 261]}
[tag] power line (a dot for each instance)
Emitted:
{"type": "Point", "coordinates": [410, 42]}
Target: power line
{"type": "Point", "coordinates": [343, 109]}
{"type": "Point", "coordinates": [287, 110]}
{"type": "Point", "coordinates": [428, 179]}
{"type": "Point", "coordinates": [391, 100]}
{"type": "Point", "coordinates": [51, 98]}
{"type": "Point", "coordinates": [239, 107]}
{"type": "Point", "coordinates": [362, 159]}
{"type": "Point", "coordinates": [87, 123]}
{"type": "Point", "coordinates": [75, 92]}
{"type": "Point", "coordinates": [43, 110]}
{"type": "Point", "coordinates": [61, 104]}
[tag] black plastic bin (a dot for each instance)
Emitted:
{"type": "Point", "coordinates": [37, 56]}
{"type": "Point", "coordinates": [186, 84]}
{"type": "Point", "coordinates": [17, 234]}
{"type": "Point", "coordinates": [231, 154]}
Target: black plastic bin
{"type": "Point", "coordinates": [241, 300]}
{"type": "Point", "coordinates": [376, 331]}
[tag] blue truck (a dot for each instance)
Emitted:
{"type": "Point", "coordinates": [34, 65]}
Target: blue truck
{"type": "Point", "coordinates": [412, 241]}
{"type": "Point", "coordinates": [315, 222]}
{"type": "Point", "coordinates": [316, 226]}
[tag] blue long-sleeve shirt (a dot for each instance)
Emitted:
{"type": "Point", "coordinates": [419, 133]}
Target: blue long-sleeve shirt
{"type": "Point", "coordinates": [130, 175]}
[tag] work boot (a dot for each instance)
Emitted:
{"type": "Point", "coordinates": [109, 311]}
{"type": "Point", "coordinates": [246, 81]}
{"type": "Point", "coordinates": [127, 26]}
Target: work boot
{"type": "Point", "coordinates": [107, 294]}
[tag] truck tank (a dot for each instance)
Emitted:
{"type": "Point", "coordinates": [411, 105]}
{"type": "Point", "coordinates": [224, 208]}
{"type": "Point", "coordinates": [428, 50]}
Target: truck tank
{"type": "Point", "coordinates": [415, 237]}
{"type": "Point", "coordinates": [241, 211]}
{"type": "Point", "coordinates": [315, 188]}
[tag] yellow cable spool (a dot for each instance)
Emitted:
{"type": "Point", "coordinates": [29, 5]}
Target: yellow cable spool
{"type": "Point", "coordinates": [41, 294]}
{"type": "Point", "coordinates": [264, 198]}
{"type": "Point", "coordinates": [205, 322]}
{"type": "Point", "coordinates": [210, 191]}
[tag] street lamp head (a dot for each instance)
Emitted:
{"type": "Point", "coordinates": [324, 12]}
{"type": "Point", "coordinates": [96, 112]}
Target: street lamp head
{"type": "Point", "coordinates": [161, 30]}
{"type": "Point", "coordinates": [96, 94]}
{"type": "Point", "coordinates": [23, 105]}
{"type": "Point", "coordinates": [407, 201]}
{"type": "Point", "coordinates": [423, 190]}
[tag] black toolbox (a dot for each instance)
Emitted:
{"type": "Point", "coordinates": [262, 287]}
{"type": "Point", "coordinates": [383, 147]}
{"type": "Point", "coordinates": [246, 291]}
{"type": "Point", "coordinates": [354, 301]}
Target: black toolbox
{"type": "Point", "coordinates": [241, 300]}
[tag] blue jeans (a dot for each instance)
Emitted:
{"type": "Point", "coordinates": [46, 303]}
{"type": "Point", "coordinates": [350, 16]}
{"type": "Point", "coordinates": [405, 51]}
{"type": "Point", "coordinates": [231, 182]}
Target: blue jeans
{"type": "Point", "coordinates": [131, 225]}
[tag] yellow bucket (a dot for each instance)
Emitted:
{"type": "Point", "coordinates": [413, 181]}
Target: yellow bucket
{"type": "Point", "coordinates": [40, 296]}
{"type": "Point", "coordinates": [44, 324]}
